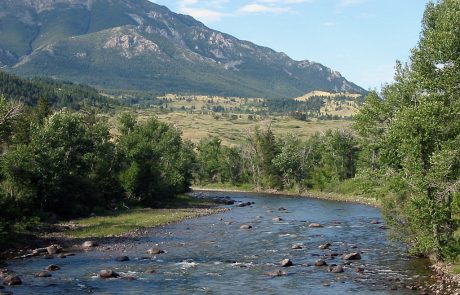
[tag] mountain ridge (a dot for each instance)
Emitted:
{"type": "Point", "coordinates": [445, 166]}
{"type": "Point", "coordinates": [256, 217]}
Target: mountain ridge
{"type": "Point", "coordinates": [140, 45]}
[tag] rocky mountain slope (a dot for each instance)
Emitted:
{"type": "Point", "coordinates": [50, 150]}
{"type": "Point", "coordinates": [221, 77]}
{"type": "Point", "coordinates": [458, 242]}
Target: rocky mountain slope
{"type": "Point", "coordinates": [136, 44]}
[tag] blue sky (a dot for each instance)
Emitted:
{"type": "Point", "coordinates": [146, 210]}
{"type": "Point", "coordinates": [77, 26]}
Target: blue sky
{"type": "Point", "coordinates": [360, 38]}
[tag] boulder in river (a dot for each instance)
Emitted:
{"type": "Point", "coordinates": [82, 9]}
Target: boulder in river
{"type": "Point", "coordinates": [129, 278]}
{"type": "Point", "coordinates": [246, 226]}
{"type": "Point", "coordinates": [324, 246]}
{"type": "Point", "coordinates": [53, 249]}
{"type": "Point", "coordinates": [286, 262]}
{"type": "Point", "coordinates": [12, 280]}
{"type": "Point", "coordinates": [52, 267]}
{"type": "Point", "coordinates": [335, 268]}
{"type": "Point", "coordinates": [315, 225]}
{"type": "Point", "coordinates": [278, 273]}
{"type": "Point", "coordinates": [277, 219]}
{"type": "Point", "coordinates": [282, 209]}
{"type": "Point", "coordinates": [375, 222]}
{"type": "Point", "coordinates": [4, 273]}
{"type": "Point", "coordinates": [154, 251]}
{"type": "Point", "coordinates": [122, 258]}
{"type": "Point", "coordinates": [320, 262]}
{"type": "Point", "coordinates": [108, 274]}
{"type": "Point", "coordinates": [42, 274]}
{"type": "Point", "coordinates": [351, 256]}
{"type": "Point", "coordinates": [296, 247]}
{"type": "Point", "coordinates": [89, 244]}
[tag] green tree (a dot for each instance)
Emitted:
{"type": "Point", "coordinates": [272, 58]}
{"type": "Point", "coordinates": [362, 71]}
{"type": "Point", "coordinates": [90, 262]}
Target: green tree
{"type": "Point", "coordinates": [209, 159]}
{"type": "Point", "coordinates": [412, 134]}
{"type": "Point", "coordinates": [61, 168]}
{"type": "Point", "coordinates": [156, 163]}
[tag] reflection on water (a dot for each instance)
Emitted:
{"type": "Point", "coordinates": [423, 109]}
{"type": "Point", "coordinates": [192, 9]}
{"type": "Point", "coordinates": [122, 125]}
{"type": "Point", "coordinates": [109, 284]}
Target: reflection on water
{"type": "Point", "coordinates": [212, 255]}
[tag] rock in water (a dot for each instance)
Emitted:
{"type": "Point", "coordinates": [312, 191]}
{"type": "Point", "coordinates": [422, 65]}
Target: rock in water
{"type": "Point", "coordinates": [277, 219]}
{"type": "Point", "coordinates": [315, 225]}
{"type": "Point", "coordinates": [320, 262]}
{"type": "Point", "coordinates": [42, 274]}
{"type": "Point", "coordinates": [324, 246]}
{"type": "Point", "coordinates": [12, 280]}
{"type": "Point", "coordinates": [107, 274]}
{"type": "Point", "coordinates": [351, 256]}
{"type": "Point", "coordinates": [336, 269]}
{"type": "Point", "coordinates": [53, 267]}
{"type": "Point", "coordinates": [53, 249]}
{"type": "Point", "coordinates": [296, 247]}
{"type": "Point", "coordinates": [89, 244]}
{"type": "Point", "coordinates": [122, 258]}
{"type": "Point", "coordinates": [155, 251]}
{"type": "Point", "coordinates": [286, 262]}
{"type": "Point", "coordinates": [246, 226]}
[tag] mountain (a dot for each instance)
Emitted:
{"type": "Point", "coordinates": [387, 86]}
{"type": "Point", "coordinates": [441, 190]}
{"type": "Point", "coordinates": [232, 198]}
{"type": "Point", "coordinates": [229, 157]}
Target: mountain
{"type": "Point", "coordinates": [139, 45]}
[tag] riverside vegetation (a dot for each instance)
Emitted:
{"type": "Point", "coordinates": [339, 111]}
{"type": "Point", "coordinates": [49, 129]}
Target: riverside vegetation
{"type": "Point", "coordinates": [404, 150]}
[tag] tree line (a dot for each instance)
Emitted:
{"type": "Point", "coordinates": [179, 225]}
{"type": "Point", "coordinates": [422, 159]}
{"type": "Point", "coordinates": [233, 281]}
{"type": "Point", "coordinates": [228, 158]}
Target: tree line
{"type": "Point", "coordinates": [285, 163]}
{"type": "Point", "coordinates": [60, 164]}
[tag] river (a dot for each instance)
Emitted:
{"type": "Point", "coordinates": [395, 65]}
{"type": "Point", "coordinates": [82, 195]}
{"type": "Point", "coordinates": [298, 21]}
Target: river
{"type": "Point", "coordinates": [212, 255]}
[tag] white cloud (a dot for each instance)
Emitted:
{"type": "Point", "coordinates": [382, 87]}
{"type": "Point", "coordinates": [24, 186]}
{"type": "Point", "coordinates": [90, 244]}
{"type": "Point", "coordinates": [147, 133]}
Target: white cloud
{"type": "Point", "coordinates": [214, 10]}
{"type": "Point", "coordinates": [206, 15]}
{"type": "Point", "coordinates": [258, 8]}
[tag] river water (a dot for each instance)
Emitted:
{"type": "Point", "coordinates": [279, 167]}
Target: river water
{"type": "Point", "coordinates": [212, 255]}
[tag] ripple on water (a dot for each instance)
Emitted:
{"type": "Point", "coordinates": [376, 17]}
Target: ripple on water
{"type": "Point", "coordinates": [207, 255]}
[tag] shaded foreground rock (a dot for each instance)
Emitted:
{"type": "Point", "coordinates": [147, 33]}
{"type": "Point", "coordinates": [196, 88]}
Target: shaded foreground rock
{"type": "Point", "coordinates": [107, 274]}
{"type": "Point", "coordinates": [351, 256]}
{"type": "Point", "coordinates": [12, 280]}
{"type": "Point", "coordinates": [286, 262]}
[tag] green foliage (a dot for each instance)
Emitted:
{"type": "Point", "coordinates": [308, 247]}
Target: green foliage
{"type": "Point", "coordinates": [286, 163]}
{"type": "Point", "coordinates": [57, 93]}
{"type": "Point", "coordinates": [412, 136]}
{"type": "Point", "coordinates": [156, 162]}
{"type": "Point", "coordinates": [67, 156]}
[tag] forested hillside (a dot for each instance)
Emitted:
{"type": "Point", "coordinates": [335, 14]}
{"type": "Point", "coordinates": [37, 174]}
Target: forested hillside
{"type": "Point", "coordinates": [57, 93]}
